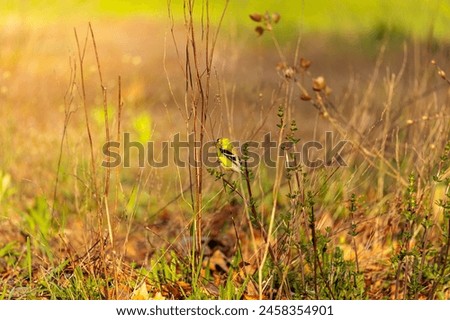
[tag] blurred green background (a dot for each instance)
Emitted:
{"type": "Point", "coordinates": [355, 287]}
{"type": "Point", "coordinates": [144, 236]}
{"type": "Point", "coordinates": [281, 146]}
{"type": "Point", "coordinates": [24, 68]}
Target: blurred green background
{"type": "Point", "coordinates": [410, 18]}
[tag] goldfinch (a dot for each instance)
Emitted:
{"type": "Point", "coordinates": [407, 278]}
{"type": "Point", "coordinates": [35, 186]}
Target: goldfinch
{"type": "Point", "coordinates": [227, 155]}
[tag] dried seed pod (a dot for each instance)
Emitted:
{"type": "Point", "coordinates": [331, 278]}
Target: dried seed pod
{"type": "Point", "coordinates": [275, 17]}
{"type": "Point", "coordinates": [256, 17]}
{"type": "Point", "coordinates": [281, 66]}
{"type": "Point", "coordinates": [289, 72]}
{"type": "Point", "coordinates": [305, 63]}
{"type": "Point", "coordinates": [305, 96]}
{"type": "Point", "coordinates": [319, 84]}
{"type": "Point", "coordinates": [259, 30]}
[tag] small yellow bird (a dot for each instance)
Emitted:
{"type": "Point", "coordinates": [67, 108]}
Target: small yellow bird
{"type": "Point", "coordinates": [227, 155]}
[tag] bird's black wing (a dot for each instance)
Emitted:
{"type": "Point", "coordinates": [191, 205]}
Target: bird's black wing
{"type": "Point", "coordinates": [230, 155]}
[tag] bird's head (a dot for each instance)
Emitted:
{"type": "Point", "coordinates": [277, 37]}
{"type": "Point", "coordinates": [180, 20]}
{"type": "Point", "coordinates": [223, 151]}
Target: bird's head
{"type": "Point", "coordinates": [223, 143]}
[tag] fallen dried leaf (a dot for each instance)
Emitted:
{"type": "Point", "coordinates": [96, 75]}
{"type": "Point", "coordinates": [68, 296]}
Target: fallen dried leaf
{"type": "Point", "coordinates": [141, 293]}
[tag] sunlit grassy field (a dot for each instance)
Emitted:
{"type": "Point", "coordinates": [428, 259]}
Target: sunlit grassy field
{"type": "Point", "coordinates": [353, 204]}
